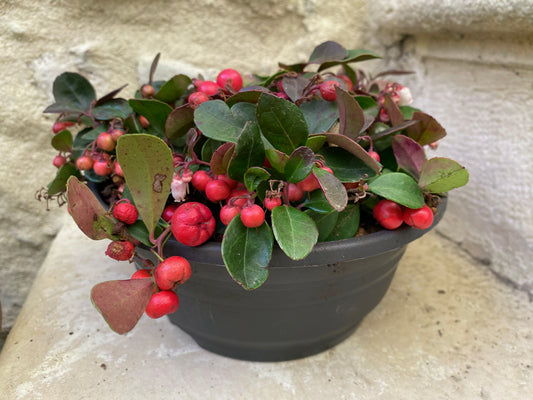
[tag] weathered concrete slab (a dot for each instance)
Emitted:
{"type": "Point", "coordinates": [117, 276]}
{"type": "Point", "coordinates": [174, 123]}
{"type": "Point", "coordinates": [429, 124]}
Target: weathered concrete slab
{"type": "Point", "coordinates": [447, 329]}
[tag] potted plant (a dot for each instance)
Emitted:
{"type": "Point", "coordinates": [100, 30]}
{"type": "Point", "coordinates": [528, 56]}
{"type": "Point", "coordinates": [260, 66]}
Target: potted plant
{"type": "Point", "coordinates": [315, 175]}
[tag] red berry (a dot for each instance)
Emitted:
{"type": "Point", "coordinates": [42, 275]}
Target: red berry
{"type": "Point", "coordinates": [210, 88]}
{"type": "Point", "coordinates": [144, 122]}
{"type": "Point", "coordinates": [231, 183]}
{"type": "Point", "coordinates": [147, 90]}
{"type": "Point", "coordinates": [120, 250]}
{"type": "Point", "coordinates": [238, 197]}
{"type": "Point", "coordinates": [59, 161]}
{"type": "Point", "coordinates": [252, 216]}
{"type": "Point", "coordinates": [420, 218]}
{"type": "Point", "coordinates": [309, 184]}
{"type": "Point", "coordinates": [141, 274]}
{"type": "Point", "coordinates": [105, 141]}
{"type": "Point", "coordinates": [347, 81]}
{"type": "Point", "coordinates": [162, 303]}
{"type": "Point", "coordinates": [228, 212]}
{"type": "Point", "coordinates": [389, 214]}
{"type": "Point", "coordinates": [217, 190]}
{"type": "Point", "coordinates": [374, 155]}
{"type": "Point", "coordinates": [174, 270]}
{"type": "Point", "coordinates": [117, 169]}
{"type": "Point", "coordinates": [200, 179]}
{"type": "Point", "coordinates": [168, 212]}
{"type": "Point", "coordinates": [197, 98]}
{"type": "Point", "coordinates": [327, 90]}
{"type": "Point", "coordinates": [294, 192]}
{"type": "Point", "coordinates": [116, 133]}
{"type": "Point", "coordinates": [102, 167]}
{"type": "Point", "coordinates": [192, 224]}
{"type": "Point", "coordinates": [125, 212]}
{"type": "Point", "coordinates": [272, 202]}
{"type": "Point", "coordinates": [84, 163]}
{"type": "Point", "coordinates": [59, 126]}
{"type": "Point", "coordinates": [231, 77]}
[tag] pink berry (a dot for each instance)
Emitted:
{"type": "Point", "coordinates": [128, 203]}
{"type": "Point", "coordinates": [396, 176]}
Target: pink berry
{"type": "Point", "coordinates": [84, 163]}
{"type": "Point", "coordinates": [197, 98]}
{"type": "Point", "coordinates": [117, 169]}
{"type": "Point", "coordinates": [347, 81]}
{"type": "Point", "coordinates": [172, 271]}
{"type": "Point", "coordinates": [238, 197]}
{"type": "Point", "coordinates": [192, 224]}
{"type": "Point", "coordinates": [210, 88]}
{"type": "Point", "coordinates": [102, 167]}
{"type": "Point", "coordinates": [162, 303]}
{"type": "Point", "coordinates": [231, 77]}
{"type": "Point", "coordinates": [272, 202]}
{"type": "Point", "coordinates": [294, 192]}
{"type": "Point", "coordinates": [59, 126]}
{"type": "Point", "coordinates": [143, 121]}
{"type": "Point", "coordinates": [120, 250]}
{"type": "Point", "coordinates": [200, 179]}
{"type": "Point", "coordinates": [147, 90]}
{"type": "Point", "coordinates": [228, 212]}
{"type": "Point", "coordinates": [389, 214]}
{"type": "Point", "coordinates": [374, 155]}
{"type": "Point", "coordinates": [141, 274]}
{"type": "Point", "coordinates": [125, 212]}
{"type": "Point", "coordinates": [217, 190]}
{"type": "Point", "coordinates": [420, 218]}
{"type": "Point", "coordinates": [327, 90]}
{"type": "Point", "coordinates": [230, 182]}
{"type": "Point", "coordinates": [252, 216]}
{"type": "Point", "coordinates": [59, 161]}
{"type": "Point", "coordinates": [116, 133]}
{"type": "Point", "coordinates": [105, 141]}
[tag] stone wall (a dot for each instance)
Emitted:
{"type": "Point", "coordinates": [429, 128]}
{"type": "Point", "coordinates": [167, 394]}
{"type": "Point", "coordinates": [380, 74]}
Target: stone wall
{"type": "Point", "coordinates": [113, 43]}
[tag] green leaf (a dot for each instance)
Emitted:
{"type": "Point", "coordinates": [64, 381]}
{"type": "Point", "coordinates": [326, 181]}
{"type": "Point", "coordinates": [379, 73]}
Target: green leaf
{"type": "Point", "coordinates": [114, 108]}
{"type": "Point", "coordinates": [122, 303]}
{"type": "Point", "coordinates": [277, 159]}
{"type": "Point", "coordinates": [325, 222]}
{"type": "Point", "coordinates": [345, 166]}
{"type": "Point", "coordinates": [299, 164]}
{"type": "Point", "coordinates": [254, 176]}
{"type": "Point", "coordinates": [320, 115]}
{"type": "Point", "coordinates": [59, 183]}
{"type": "Point", "coordinates": [148, 168]}
{"type": "Point", "coordinates": [408, 111]}
{"type": "Point", "coordinates": [354, 55]}
{"type": "Point", "coordinates": [347, 224]}
{"type": "Point", "coordinates": [173, 89]}
{"type": "Point", "coordinates": [62, 141]}
{"type": "Point", "coordinates": [398, 187]}
{"type": "Point", "coordinates": [282, 123]}
{"type": "Point", "coordinates": [209, 148]}
{"type": "Point", "coordinates": [244, 112]}
{"type": "Point", "coordinates": [246, 253]}
{"type": "Point", "coordinates": [332, 187]}
{"type": "Point", "coordinates": [73, 90]}
{"type": "Point", "coordinates": [369, 106]}
{"type": "Point", "coordinates": [315, 142]}
{"type": "Point", "coordinates": [351, 115]}
{"type": "Point", "coordinates": [179, 121]}
{"type": "Point", "coordinates": [216, 121]}
{"type": "Point", "coordinates": [351, 146]}
{"type": "Point", "coordinates": [295, 232]}
{"type": "Point", "coordinates": [155, 111]}
{"type": "Point", "coordinates": [247, 96]}
{"type": "Point", "coordinates": [317, 201]}
{"type": "Point", "coordinates": [249, 152]}
{"type": "Point", "coordinates": [138, 231]}
{"type": "Point", "coordinates": [87, 212]}
{"type": "Point", "coordinates": [440, 175]}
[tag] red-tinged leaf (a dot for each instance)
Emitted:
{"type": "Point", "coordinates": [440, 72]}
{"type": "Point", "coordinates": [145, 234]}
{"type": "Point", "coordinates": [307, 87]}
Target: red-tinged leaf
{"type": "Point", "coordinates": [221, 157]}
{"type": "Point", "coordinates": [87, 212]}
{"type": "Point", "coordinates": [327, 51]}
{"type": "Point", "coordinates": [109, 96]}
{"type": "Point", "coordinates": [409, 154]}
{"type": "Point", "coordinates": [351, 115]}
{"type": "Point", "coordinates": [179, 121]}
{"type": "Point", "coordinates": [122, 303]}
{"type": "Point", "coordinates": [441, 174]}
{"type": "Point", "coordinates": [427, 131]}
{"type": "Point", "coordinates": [396, 116]}
{"type": "Point", "coordinates": [333, 189]}
{"type": "Point", "coordinates": [294, 86]}
{"type": "Point", "coordinates": [349, 145]}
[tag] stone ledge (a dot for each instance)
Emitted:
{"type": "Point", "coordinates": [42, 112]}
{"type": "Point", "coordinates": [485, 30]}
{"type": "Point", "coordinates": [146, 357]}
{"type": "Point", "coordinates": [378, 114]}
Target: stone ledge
{"type": "Point", "coordinates": [447, 329]}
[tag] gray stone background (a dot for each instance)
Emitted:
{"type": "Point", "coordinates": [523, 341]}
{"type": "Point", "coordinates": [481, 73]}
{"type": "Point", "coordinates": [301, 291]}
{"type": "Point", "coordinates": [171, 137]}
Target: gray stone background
{"type": "Point", "coordinates": [474, 69]}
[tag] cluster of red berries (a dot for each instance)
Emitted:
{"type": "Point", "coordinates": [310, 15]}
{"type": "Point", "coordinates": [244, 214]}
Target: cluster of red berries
{"type": "Point", "coordinates": [391, 215]}
{"type": "Point", "coordinates": [228, 81]}
{"type": "Point", "coordinates": [99, 159]}
{"type": "Point", "coordinates": [125, 212]}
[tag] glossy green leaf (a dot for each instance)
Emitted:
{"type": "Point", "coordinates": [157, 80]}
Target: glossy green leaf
{"type": "Point", "coordinates": [369, 106]}
{"type": "Point", "coordinates": [122, 303]}
{"type": "Point", "coordinates": [216, 121]}
{"type": "Point", "coordinates": [179, 121]}
{"type": "Point", "coordinates": [282, 123]}
{"type": "Point", "coordinates": [87, 211]}
{"type": "Point", "coordinates": [244, 112]}
{"type": "Point", "coordinates": [299, 164]}
{"type": "Point", "coordinates": [316, 200]}
{"type": "Point", "coordinates": [351, 146]}
{"type": "Point", "coordinates": [398, 187]}
{"type": "Point", "coordinates": [408, 111]}
{"type": "Point", "coordinates": [62, 141]}
{"type": "Point", "coordinates": [59, 183]}
{"type": "Point", "coordinates": [345, 166]}
{"type": "Point", "coordinates": [332, 187]}
{"type": "Point", "coordinates": [155, 111]}
{"type": "Point", "coordinates": [114, 108]}
{"type": "Point", "coordinates": [351, 115]}
{"type": "Point", "coordinates": [440, 175]}
{"type": "Point", "coordinates": [254, 176]}
{"type": "Point", "coordinates": [247, 96]}
{"type": "Point", "coordinates": [277, 159]}
{"type": "Point", "coordinates": [173, 89]}
{"type": "Point", "coordinates": [325, 222]}
{"type": "Point", "coordinates": [320, 115]}
{"type": "Point", "coordinates": [73, 90]}
{"type": "Point", "coordinates": [246, 253]}
{"type": "Point", "coordinates": [148, 168]}
{"type": "Point", "coordinates": [249, 152]}
{"type": "Point", "coordinates": [138, 231]}
{"type": "Point", "coordinates": [295, 232]}
{"type": "Point", "coordinates": [209, 148]}
{"type": "Point", "coordinates": [347, 224]}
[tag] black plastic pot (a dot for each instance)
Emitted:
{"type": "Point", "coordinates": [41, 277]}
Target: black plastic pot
{"type": "Point", "coordinates": [304, 307]}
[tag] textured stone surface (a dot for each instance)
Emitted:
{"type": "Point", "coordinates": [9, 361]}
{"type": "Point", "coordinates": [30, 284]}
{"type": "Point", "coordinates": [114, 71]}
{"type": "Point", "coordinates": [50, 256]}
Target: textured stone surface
{"type": "Point", "coordinates": [447, 329]}
{"type": "Point", "coordinates": [108, 42]}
